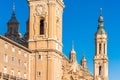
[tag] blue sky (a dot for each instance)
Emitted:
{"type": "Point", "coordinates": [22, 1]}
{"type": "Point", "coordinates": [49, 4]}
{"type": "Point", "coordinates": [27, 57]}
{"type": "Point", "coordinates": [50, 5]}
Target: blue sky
{"type": "Point", "coordinates": [80, 22]}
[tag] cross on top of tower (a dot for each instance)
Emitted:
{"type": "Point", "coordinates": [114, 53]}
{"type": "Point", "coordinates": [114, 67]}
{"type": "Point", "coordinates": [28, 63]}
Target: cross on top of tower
{"type": "Point", "coordinates": [101, 11]}
{"type": "Point", "coordinates": [13, 6]}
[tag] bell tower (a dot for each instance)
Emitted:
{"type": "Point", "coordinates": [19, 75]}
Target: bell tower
{"type": "Point", "coordinates": [101, 58]}
{"type": "Point", "coordinates": [45, 39]}
{"type": "Point", "coordinates": [45, 24]}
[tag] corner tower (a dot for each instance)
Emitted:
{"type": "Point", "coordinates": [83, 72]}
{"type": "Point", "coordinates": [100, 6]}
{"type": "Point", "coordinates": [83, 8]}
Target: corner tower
{"type": "Point", "coordinates": [45, 39]}
{"type": "Point", "coordinates": [101, 58]}
{"type": "Point", "coordinates": [13, 28]}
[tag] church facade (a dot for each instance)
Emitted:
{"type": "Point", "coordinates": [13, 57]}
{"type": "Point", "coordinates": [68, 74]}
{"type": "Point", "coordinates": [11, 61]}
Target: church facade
{"type": "Point", "coordinates": [38, 55]}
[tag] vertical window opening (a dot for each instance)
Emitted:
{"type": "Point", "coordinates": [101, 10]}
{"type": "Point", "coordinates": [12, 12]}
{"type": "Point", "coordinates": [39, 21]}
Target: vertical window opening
{"type": "Point", "coordinates": [12, 60]}
{"type": "Point", "coordinates": [39, 56]}
{"type": "Point", "coordinates": [100, 48]}
{"type": "Point", "coordinates": [5, 70]}
{"type": "Point", "coordinates": [19, 62]}
{"type": "Point", "coordinates": [6, 58]}
{"type": "Point", "coordinates": [104, 48]}
{"type": "Point", "coordinates": [42, 27]}
{"type": "Point", "coordinates": [100, 70]}
{"type": "Point", "coordinates": [39, 73]}
{"type": "Point", "coordinates": [18, 74]}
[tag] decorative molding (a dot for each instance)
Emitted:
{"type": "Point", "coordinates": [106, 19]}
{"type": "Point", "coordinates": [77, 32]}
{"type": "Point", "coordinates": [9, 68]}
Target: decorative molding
{"type": "Point", "coordinates": [40, 9]}
{"type": "Point", "coordinates": [51, 2]}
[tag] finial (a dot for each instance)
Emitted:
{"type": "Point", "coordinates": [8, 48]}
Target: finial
{"type": "Point", "coordinates": [72, 45]}
{"type": "Point", "coordinates": [73, 51]}
{"type": "Point", "coordinates": [13, 6]}
{"type": "Point", "coordinates": [100, 11]}
{"type": "Point", "coordinates": [83, 56]}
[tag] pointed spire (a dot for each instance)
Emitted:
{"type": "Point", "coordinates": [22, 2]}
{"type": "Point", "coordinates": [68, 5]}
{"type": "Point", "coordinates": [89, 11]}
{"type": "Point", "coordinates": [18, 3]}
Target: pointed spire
{"type": "Point", "coordinates": [101, 20]}
{"type": "Point", "coordinates": [100, 23]}
{"type": "Point", "coordinates": [13, 17]}
{"type": "Point", "coordinates": [73, 51]}
{"type": "Point", "coordinates": [83, 56]}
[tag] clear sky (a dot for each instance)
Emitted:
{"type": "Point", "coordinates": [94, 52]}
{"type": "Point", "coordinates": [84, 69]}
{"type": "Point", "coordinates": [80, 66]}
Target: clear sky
{"type": "Point", "coordinates": [80, 22]}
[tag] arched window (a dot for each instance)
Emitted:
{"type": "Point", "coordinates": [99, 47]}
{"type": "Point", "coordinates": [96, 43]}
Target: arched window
{"type": "Point", "coordinates": [100, 70]}
{"type": "Point", "coordinates": [42, 27]}
{"type": "Point", "coordinates": [104, 48]}
{"type": "Point", "coordinates": [100, 48]}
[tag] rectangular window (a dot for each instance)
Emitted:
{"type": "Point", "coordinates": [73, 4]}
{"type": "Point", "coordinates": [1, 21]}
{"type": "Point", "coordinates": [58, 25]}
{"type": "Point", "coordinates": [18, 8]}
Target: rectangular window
{"type": "Point", "coordinates": [25, 55]}
{"type": "Point", "coordinates": [39, 73]}
{"type": "Point", "coordinates": [19, 62]}
{"type": "Point", "coordinates": [6, 58]}
{"type": "Point", "coordinates": [25, 65]}
{"type": "Point", "coordinates": [104, 48]}
{"type": "Point", "coordinates": [12, 60]}
{"type": "Point", "coordinates": [42, 27]}
{"type": "Point", "coordinates": [6, 46]}
{"type": "Point", "coordinates": [13, 49]}
{"type": "Point", "coordinates": [25, 76]}
{"type": "Point", "coordinates": [100, 48]}
{"type": "Point", "coordinates": [5, 70]}
{"type": "Point", "coordinates": [19, 52]}
{"type": "Point", "coordinates": [100, 70]}
{"type": "Point", "coordinates": [39, 57]}
{"type": "Point", "coordinates": [12, 72]}
{"type": "Point", "coordinates": [18, 74]}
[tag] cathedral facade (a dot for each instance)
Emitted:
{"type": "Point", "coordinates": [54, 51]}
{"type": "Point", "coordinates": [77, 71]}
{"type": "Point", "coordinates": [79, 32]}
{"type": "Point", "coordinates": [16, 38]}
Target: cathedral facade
{"type": "Point", "coordinates": [38, 55]}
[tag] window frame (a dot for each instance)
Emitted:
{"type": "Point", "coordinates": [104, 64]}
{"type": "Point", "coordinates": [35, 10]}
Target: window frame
{"type": "Point", "coordinates": [42, 26]}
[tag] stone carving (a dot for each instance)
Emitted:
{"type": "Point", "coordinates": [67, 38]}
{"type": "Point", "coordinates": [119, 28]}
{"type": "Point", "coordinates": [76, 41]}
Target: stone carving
{"type": "Point", "coordinates": [40, 9]}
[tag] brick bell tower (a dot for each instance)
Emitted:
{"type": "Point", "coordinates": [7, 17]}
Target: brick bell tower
{"type": "Point", "coordinates": [101, 58]}
{"type": "Point", "coordinates": [45, 39]}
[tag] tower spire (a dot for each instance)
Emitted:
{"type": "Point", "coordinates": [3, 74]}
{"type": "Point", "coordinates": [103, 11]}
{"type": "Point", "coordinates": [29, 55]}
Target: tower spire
{"type": "Point", "coordinates": [73, 51]}
{"type": "Point", "coordinates": [13, 6]}
{"type": "Point", "coordinates": [100, 58]}
{"type": "Point", "coordinates": [83, 61]}
{"type": "Point", "coordinates": [83, 56]}
{"type": "Point", "coordinates": [101, 20]}
{"type": "Point", "coordinates": [100, 23]}
{"type": "Point", "coordinates": [13, 26]}
{"type": "Point", "coordinates": [101, 11]}
{"type": "Point", "coordinates": [72, 45]}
